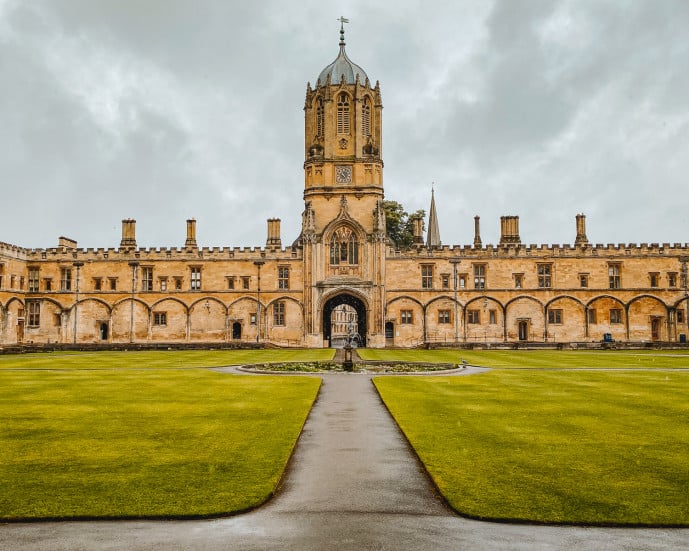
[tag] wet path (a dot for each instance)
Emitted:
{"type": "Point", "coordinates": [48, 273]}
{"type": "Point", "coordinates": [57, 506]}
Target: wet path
{"type": "Point", "coordinates": [353, 483]}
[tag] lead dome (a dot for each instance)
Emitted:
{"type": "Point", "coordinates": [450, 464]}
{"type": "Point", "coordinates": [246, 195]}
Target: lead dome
{"type": "Point", "coordinates": [342, 67]}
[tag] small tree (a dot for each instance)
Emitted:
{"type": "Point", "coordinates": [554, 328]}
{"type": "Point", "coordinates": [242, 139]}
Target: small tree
{"type": "Point", "coordinates": [399, 224]}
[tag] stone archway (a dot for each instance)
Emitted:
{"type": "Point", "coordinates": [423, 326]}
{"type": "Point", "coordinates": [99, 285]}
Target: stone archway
{"type": "Point", "coordinates": [354, 302]}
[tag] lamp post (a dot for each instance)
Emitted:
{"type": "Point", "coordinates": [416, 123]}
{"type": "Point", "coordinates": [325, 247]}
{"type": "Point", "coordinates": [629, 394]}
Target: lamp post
{"type": "Point", "coordinates": [134, 264]}
{"type": "Point", "coordinates": [455, 262]}
{"type": "Point", "coordinates": [258, 264]}
{"type": "Point", "coordinates": [77, 265]}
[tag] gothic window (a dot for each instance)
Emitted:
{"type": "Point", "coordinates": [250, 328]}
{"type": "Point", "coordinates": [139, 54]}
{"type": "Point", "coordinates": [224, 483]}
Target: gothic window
{"type": "Point", "coordinates": [343, 114]}
{"type": "Point", "coordinates": [545, 276]}
{"type": "Point", "coordinates": [65, 279]}
{"type": "Point", "coordinates": [159, 318]}
{"type": "Point", "coordinates": [427, 276]}
{"type": "Point", "coordinates": [445, 279]}
{"type": "Point", "coordinates": [34, 310]}
{"type": "Point", "coordinates": [672, 279]}
{"type": "Point", "coordinates": [654, 278]}
{"type": "Point", "coordinates": [279, 313]}
{"type": "Point", "coordinates": [479, 276]}
{"type": "Point", "coordinates": [147, 278]}
{"type": "Point", "coordinates": [518, 281]}
{"type": "Point", "coordinates": [195, 272]}
{"type": "Point", "coordinates": [366, 118]}
{"type": "Point", "coordinates": [406, 317]}
{"type": "Point", "coordinates": [443, 316]}
{"type": "Point", "coordinates": [283, 277]}
{"type": "Point", "coordinates": [614, 276]}
{"type": "Point", "coordinates": [615, 315]}
{"type": "Point", "coordinates": [473, 317]}
{"type": "Point", "coordinates": [555, 316]}
{"type": "Point", "coordinates": [319, 117]}
{"type": "Point", "coordinates": [344, 248]}
{"type": "Point", "coordinates": [33, 280]}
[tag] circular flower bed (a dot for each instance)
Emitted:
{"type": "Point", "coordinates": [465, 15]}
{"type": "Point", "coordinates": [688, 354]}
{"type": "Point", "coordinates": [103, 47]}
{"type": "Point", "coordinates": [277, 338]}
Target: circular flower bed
{"type": "Point", "coordinates": [359, 367]}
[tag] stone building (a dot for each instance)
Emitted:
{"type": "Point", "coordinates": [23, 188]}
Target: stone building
{"type": "Point", "coordinates": [342, 269]}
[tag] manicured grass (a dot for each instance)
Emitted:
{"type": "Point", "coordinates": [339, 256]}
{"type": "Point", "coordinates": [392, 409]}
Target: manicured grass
{"type": "Point", "coordinates": [162, 359]}
{"type": "Point", "coordinates": [143, 443]}
{"type": "Point", "coordinates": [539, 358]}
{"type": "Point", "coordinates": [552, 446]}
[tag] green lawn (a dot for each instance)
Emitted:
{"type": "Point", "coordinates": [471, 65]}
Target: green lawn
{"type": "Point", "coordinates": [161, 359]}
{"type": "Point", "coordinates": [539, 358]}
{"type": "Point", "coordinates": [552, 446]}
{"type": "Point", "coordinates": [143, 443]}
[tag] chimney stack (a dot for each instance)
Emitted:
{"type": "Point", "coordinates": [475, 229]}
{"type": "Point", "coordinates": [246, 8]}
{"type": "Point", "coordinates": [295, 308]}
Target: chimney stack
{"type": "Point", "coordinates": [509, 230]}
{"type": "Point", "coordinates": [418, 230]}
{"type": "Point", "coordinates": [274, 239]}
{"type": "Point", "coordinates": [581, 230]}
{"type": "Point", "coordinates": [66, 243]}
{"type": "Point", "coordinates": [128, 233]}
{"type": "Point", "coordinates": [477, 232]}
{"type": "Point", "coordinates": [191, 234]}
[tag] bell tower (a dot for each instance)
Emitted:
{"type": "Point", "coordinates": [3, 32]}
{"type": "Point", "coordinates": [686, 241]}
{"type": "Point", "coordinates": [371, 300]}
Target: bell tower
{"type": "Point", "coordinates": [343, 227]}
{"type": "Point", "coordinates": [342, 141]}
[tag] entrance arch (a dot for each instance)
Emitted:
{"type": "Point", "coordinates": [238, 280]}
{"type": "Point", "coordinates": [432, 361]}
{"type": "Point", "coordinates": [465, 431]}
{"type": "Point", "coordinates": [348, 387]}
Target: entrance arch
{"type": "Point", "coordinates": [350, 300]}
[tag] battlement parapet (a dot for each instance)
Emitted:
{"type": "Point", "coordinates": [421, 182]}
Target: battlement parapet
{"type": "Point", "coordinates": [517, 250]}
{"type": "Point", "coordinates": [186, 254]}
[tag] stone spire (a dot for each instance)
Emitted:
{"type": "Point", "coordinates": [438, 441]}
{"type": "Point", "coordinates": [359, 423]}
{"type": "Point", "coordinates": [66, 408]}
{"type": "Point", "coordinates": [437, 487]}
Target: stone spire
{"type": "Point", "coordinates": [433, 235]}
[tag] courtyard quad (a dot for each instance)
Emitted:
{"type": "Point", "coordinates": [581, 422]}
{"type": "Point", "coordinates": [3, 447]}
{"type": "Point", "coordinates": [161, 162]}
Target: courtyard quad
{"type": "Point", "coordinates": [549, 445]}
{"type": "Point", "coordinates": [138, 434]}
{"type": "Point", "coordinates": [113, 434]}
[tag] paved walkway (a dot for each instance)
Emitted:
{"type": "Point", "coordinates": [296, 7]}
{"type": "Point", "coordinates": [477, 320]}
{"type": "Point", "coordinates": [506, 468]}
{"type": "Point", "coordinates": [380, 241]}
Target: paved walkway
{"type": "Point", "coordinates": [353, 483]}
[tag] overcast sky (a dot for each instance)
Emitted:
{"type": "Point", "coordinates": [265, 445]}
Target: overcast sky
{"type": "Point", "coordinates": [162, 110]}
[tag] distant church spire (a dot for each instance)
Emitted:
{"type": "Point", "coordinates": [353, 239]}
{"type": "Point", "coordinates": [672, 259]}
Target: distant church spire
{"type": "Point", "coordinates": [433, 236]}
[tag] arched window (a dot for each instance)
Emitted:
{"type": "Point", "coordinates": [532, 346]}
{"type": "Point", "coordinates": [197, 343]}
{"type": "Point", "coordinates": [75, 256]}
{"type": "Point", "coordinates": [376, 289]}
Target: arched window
{"type": "Point", "coordinates": [344, 247]}
{"type": "Point", "coordinates": [366, 118]}
{"type": "Point", "coordinates": [319, 117]}
{"type": "Point", "coordinates": [343, 114]}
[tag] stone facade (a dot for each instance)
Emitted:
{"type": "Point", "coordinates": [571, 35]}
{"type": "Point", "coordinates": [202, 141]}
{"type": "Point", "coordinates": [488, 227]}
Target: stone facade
{"type": "Point", "coordinates": [492, 294]}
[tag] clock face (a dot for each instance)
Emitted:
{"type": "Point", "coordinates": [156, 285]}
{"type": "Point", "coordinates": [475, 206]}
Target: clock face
{"type": "Point", "coordinates": [343, 174]}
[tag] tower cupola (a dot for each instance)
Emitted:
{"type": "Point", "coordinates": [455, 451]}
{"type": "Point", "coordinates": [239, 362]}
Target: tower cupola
{"type": "Point", "coordinates": [342, 67]}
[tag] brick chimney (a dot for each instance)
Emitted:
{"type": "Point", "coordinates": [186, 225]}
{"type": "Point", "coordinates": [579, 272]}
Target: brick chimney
{"type": "Point", "coordinates": [191, 234]}
{"type": "Point", "coordinates": [128, 233]}
{"type": "Point", "coordinates": [581, 230]}
{"type": "Point", "coordinates": [274, 239]}
{"type": "Point", "coordinates": [477, 231]}
{"type": "Point", "coordinates": [417, 222]}
{"type": "Point", "coordinates": [509, 230]}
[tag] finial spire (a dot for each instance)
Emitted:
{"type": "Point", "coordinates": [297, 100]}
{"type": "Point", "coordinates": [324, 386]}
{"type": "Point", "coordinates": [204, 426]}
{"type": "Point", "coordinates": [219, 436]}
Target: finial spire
{"type": "Point", "coordinates": [342, 21]}
{"type": "Point", "coordinates": [433, 235]}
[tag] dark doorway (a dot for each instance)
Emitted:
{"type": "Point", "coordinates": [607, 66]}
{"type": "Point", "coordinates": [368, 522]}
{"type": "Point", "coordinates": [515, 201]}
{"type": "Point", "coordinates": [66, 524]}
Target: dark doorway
{"type": "Point", "coordinates": [104, 331]}
{"type": "Point", "coordinates": [655, 329]}
{"type": "Point", "coordinates": [355, 303]}
{"type": "Point", "coordinates": [389, 333]}
{"type": "Point", "coordinates": [236, 331]}
{"type": "Point", "coordinates": [523, 330]}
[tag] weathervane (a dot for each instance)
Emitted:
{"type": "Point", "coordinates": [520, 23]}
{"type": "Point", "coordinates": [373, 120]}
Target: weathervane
{"type": "Point", "coordinates": [342, 21]}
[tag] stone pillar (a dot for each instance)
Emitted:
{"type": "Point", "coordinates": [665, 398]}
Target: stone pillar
{"type": "Point", "coordinates": [477, 231]}
{"type": "Point", "coordinates": [581, 230]}
{"type": "Point", "coordinates": [274, 239]}
{"type": "Point", "coordinates": [191, 234]}
{"type": "Point", "coordinates": [509, 230]}
{"type": "Point", "coordinates": [128, 233]}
